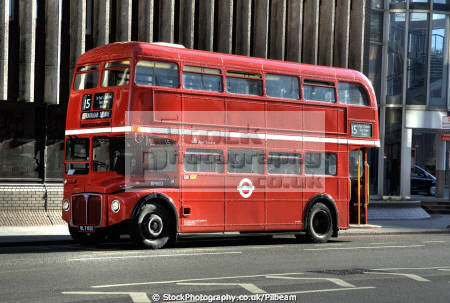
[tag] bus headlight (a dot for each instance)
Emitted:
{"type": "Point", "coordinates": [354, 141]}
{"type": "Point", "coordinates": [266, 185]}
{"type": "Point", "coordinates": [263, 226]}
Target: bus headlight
{"type": "Point", "coordinates": [115, 206]}
{"type": "Point", "coordinates": [66, 205]}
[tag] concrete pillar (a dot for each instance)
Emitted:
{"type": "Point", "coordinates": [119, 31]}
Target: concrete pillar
{"type": "Point", "coordinates": [4, 45]}
{"type": "Point", "coordinates": [53, 11]}
{"type": "Point", "coordinates": [166, 20]}
{"type": "Point", "coordinates": [357, 26]}
{"type": "Point", "coordinates": [186, 25]}
{"type": "Point", "coordinates": [277, 29]}
{"type": "Point", "coordinates": [124, 13]}
{"type": "Point", "coordinates": [294, 30]}
{"type": "Point", "coordinates": [311, 31]}
{"type": "Point", "coordinates": [206, 25]}
{"type": "Point", "coordinates": [440, 166]}
{"type": "Point", "coordinates": [243, 27]}
{"type": "Point", "coordinates": [225, 26]}
{"type": "Point", "coordinates": [405, 166]}
{"type": "Point", "coordinates": [102, 21]}
{"type": "Point", "coordinates": [77, 33]}
{"type": "Point", "coordinates": [261, 28]}
{"type": "Point", "coordinates": [146, 17]}
{"type": "Point", "coordinates": [326, 41]}
{"type": "Point", "coordinates": [342, 32]}
{"type": "Point", "coordinates": [27, 51]}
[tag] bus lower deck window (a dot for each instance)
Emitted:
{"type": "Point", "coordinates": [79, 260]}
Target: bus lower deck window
{"type": "Point", "coordinates": [245, 161]}
{"type": "Point", "coordinates": [319, 163]}
{"type": "Point", "coordinates": [203, 160]}
{"type": "Point", "coordinates": [284, 163]}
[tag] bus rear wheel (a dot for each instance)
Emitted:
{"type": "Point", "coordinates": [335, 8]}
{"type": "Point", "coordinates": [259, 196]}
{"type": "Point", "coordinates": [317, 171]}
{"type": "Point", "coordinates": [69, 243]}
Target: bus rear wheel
{"type": "Point", "coordinates": [319, 225]}
{"type": "Point", "coordinates": [151, 228]}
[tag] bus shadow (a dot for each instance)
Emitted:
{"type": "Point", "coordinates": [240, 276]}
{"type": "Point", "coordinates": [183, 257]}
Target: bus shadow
{"type": "Point", "coordinates": [49, 245]}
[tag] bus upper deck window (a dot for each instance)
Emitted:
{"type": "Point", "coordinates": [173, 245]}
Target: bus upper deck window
{"type": "Point", "coordinates": [202, 78]}
{"type": "Point", "coordinates": [352, 93]}
{"type": "Point", "coordinates": [280, 86]}
{"type": "Point", "coordinates": [86, 77]}
{"type": "Point", "coordinates": [244, 83]}
{"type": "Point", "coordinates": [155, 73]}
{"type": "Point", "coordinates": [116, 73]}
{"type": "Point", "coordinates": [319, 91]}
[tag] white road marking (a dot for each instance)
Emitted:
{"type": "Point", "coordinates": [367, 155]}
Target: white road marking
{"type": "Point", "coordinates": [190, 280]}
{"type": "Point", "coordinates": [248, 286]}
{"type": "Point", "coordinates": [336, 281]}
{"type": "Point", "coordinates": [136, 297]}
{"type": "Point", "coordinates": [411, 268]}
{"type": "Point", "coordinates": [410, 276]}
{"type": "Point", "coordinates": [323, 290]}
{"type": "Point", "coordinates": [363, 247]}
{"type": "Point", "coordinates": [155, 256]}
{"type": "Point", "coordinates": [434, 241]}
{"type": "Point", "coordinates": [444, 269]}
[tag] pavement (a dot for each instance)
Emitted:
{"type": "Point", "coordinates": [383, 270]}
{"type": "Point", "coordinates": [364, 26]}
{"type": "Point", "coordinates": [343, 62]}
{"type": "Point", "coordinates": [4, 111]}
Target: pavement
{"type": "Point", "coordinates": [384, 217]}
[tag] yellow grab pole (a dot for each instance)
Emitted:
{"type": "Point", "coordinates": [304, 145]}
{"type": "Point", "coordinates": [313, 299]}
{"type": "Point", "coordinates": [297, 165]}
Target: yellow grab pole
{"type": "Point", "coordinates": [367, 185]}
{"type": "Point", "coordinates": [349, 189]}
{"type": "Point", "coordinates": [359, 187]}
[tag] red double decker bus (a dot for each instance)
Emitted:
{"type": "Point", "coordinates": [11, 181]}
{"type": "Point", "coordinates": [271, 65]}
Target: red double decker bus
{"type": "Point", "coordinates": [163, 141]}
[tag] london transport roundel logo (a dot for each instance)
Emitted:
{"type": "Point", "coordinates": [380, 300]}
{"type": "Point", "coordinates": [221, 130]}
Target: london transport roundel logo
{"type": "Point", "coordinates": [245, 188]}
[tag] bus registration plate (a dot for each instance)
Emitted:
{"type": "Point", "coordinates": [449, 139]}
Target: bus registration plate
{"type": "Point", "coordinates": [86, 228]}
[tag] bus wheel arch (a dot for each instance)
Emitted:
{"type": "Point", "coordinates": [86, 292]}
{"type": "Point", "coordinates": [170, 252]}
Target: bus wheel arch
{"type": "Point", "coordinates": [321, 208]}
{"type": "Point", "coordinates": [154, 222]}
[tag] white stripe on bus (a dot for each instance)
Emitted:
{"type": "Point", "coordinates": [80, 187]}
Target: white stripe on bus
{"type": "Point", "coordinates": [198, 132]}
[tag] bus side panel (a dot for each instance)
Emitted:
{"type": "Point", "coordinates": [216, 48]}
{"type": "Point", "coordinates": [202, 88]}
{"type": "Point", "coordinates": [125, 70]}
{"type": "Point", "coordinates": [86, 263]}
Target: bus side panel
{"type": "Point", "coordinates": [203, 202]}
{"type": "Point", "coordinates": [244, 113]}
{"type": "Point", "coordinates": [284, 192]}
{"type": "Point", "coordinates": [244, 213]}
{"type": "Point", "coordinates": [203, 110]}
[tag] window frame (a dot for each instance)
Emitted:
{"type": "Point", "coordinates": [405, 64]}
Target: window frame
{"type": "Point", "coordinates": [324, 153]}
{"type": "Point", "coordinates": [204, 152]}
{"type": "Point", "coordinates": [235, 74]}
{"type": "Point", "coordinates": [79, 71]}
{"type": "Point", "coordinates": [177, 64]}
{"type": "Point", "coordinates": [299, 85]}
{"type": "Point", "coordinates": [122, 67]}
{"type": "Point", "coordinates": [258, 152]}
{"type": "Point", "coordinates": [324, 83]}
{"type": "Point", "coordinates": [363, 89]}
{"type": "Point", "coordinates": [295, 155]}
{"type": "Point", "coordinates": [203, 73]}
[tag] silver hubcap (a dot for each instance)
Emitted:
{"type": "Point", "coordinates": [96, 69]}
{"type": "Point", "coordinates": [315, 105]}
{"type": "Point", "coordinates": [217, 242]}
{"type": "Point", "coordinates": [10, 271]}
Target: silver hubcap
{"type": "Point", "coordinates": [155, 225]}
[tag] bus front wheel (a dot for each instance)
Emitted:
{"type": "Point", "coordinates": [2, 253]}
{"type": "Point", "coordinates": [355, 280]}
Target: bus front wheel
{"type": "Point", "coordinates": [151, 227]}
{"type": "Point", "coordinates": [319, 225]}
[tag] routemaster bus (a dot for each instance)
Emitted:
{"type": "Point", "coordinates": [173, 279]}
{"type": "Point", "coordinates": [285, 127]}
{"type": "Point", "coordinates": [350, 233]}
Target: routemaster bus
{"type": "Point", "coordinates": [163, 141]}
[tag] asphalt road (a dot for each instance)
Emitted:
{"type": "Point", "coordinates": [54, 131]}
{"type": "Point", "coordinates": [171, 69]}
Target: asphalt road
{"type": "Point", "coordinates": [382, 268]}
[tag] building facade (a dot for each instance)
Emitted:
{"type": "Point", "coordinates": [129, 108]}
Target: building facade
{"type": "Point", "coordinates": [401, 45]}
{"type": "Point", "coordinates": [409, 53]}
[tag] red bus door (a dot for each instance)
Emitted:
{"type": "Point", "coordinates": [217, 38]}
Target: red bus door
{"type": "Point", "coordinates": [358, 186]}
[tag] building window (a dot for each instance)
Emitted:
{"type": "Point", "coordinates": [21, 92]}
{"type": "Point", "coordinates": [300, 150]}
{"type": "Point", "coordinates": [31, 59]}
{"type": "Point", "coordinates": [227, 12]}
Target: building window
{"type": "Point", "coordinates": [441, 5]}
{"type": "Point", "coordinates": [394, 4]}
{"type": "Point", "coordinates": [439, 60]}
{"type": "Point", "coordinates": [416, 89]}
{"type": "Point", "coordinates": [11, 10]}
{"type": "Point", "coordinates": [419, 4]}
{"type": "Point", "coordinates": [396, 46]}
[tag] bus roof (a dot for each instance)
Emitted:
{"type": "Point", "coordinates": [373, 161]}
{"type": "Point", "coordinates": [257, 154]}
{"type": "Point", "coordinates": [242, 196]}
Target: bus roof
{"type": "Point", "coordinates": [121, 50]}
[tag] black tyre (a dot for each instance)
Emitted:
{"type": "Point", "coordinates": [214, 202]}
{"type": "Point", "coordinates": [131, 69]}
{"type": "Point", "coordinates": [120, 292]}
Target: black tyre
{"type": "Point", "coordinates": [86, 239]}
{"type": "Point", "coordinates": [319, 224]}
{"type": "Point", "coordinates": [151, 227]}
